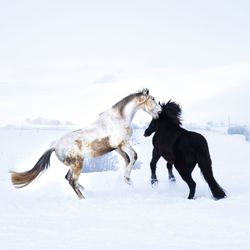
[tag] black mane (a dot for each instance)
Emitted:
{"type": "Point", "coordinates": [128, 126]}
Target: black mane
{"type": "Point", "coordinates": [172, 111]}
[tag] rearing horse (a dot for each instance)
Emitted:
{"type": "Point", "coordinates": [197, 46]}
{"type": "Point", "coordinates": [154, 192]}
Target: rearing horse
{"type": "Point", "coordinates": [111, 131]}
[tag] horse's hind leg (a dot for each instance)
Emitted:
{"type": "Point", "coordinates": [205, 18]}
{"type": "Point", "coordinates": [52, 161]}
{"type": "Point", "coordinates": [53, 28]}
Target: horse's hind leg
{"type": "Point", "coordinates": [191, 185]}
{"type": "Point", "coordinates": [190, 182]}
{"type": "Point", "coordinates": [68, 176]}
{"type": "Point", "coordinates": [74, 173]}
{"type": "Point", "coordinates": [187, 177]}
{"type": "Point", "coordinates": [171, 176]}
{"type": "Point", "coordinates": [155, 157]}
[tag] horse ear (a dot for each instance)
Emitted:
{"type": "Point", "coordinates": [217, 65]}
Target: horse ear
{"type": "Point", "coordinates": [145, 91]}
{"type": "Point", "coordinates": [144, 95]}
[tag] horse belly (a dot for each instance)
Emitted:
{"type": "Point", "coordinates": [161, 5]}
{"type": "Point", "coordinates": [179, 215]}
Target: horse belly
{"type": "Point", "coordinates": [100, 147]}
{"type": "Point", "coordinates": [167, 154]}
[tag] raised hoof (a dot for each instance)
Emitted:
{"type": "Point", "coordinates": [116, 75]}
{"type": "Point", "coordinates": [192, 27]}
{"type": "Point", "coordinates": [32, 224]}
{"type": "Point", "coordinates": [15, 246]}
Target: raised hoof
{"type": "Point", "coordinates": [172, 179]}
{"type": "Point", "coordinates": [127, 180]}
{"type": "Point", "coordinates": [154, 183]}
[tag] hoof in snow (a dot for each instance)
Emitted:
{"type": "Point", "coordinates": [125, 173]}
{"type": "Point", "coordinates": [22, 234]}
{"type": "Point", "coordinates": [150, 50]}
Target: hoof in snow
{"type": "Point", "coordinates": [127, 180]}
{"type": "Point", "coordinates": [154, 183]}
{"type": "Point", "coordinates": [172, 179]}
{"type": "Point", "coordinates": [81, 197]}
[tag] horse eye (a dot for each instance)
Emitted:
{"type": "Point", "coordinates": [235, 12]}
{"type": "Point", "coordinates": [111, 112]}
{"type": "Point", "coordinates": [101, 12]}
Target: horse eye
{"type": "Point", "coordinates": [153, 98]}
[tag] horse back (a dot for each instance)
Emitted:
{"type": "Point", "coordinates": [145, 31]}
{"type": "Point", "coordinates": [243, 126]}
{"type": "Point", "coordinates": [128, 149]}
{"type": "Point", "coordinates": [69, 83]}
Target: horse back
{"type": "Point", "coordinates": [190, 142]}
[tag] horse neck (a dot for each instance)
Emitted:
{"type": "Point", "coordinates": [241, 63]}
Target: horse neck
{"type": "Point", "coordinates": [168, 124]}
{"type": "Point", "coordinates": [129, 110]}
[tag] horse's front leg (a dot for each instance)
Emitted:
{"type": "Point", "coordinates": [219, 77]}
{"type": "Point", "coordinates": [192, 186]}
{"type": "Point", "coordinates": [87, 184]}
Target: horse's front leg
{"type": "Point", "coordinates": [130, 157]}
{"type": "Point", "coordinates": [171, 176]}
{"type": "Point", "coordinates": [155, 157]}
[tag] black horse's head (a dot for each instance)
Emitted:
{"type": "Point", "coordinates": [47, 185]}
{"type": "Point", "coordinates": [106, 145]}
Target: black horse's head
{"type": "Point", "coordinates": [151, 127]}
{"type": "Point", "coordinates": [171, 114]}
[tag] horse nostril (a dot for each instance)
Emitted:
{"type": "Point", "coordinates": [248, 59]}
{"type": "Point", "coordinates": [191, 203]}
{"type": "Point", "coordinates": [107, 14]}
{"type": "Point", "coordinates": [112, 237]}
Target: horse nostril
{"type": "Point", "coordinates": [156, 116]}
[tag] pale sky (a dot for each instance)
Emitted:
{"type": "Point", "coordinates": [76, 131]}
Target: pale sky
{"type": "Point", "coordinates": [56, 55]}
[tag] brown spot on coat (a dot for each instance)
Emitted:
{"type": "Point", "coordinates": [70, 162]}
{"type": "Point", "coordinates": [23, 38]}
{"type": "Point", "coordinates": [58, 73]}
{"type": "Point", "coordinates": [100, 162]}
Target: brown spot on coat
{"type": "Point", "coordinates": [79, 144]}
{"type": "Point", "coordinates": [100, 147]}
{"type": "Point", "coordinates": [73, 160]}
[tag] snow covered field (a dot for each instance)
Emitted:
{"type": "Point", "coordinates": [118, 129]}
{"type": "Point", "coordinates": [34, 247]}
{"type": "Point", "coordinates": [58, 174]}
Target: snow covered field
{"type": "Point", "coordinates": [48, 215]}
{"type": "Point", "coordinates": [64, 62]}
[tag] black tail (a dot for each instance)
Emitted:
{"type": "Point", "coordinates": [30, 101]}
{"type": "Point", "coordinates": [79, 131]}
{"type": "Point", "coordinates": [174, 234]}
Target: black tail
{"type": "Point", "coordinates": [20, 180]}
{"type": "Point", "coordinates": [205, 164]}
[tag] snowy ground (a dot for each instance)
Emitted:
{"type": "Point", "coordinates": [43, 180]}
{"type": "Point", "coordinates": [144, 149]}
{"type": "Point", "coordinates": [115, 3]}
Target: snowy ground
{"type": "Point", "coordinates": [48, 215]}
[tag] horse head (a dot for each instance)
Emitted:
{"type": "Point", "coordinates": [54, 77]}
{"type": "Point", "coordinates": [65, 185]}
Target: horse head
{"type": "Point", "coordinates": [149, 104]}
{"type": "Point", "coordinates": [151, 128]}
{"type": "Point", "coordinates": [170, 113]}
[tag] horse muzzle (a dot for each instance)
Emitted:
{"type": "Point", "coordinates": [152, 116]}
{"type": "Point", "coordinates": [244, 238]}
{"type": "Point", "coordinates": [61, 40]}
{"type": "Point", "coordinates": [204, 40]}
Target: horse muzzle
{"type": "Point", "coordinates": [157, 114]}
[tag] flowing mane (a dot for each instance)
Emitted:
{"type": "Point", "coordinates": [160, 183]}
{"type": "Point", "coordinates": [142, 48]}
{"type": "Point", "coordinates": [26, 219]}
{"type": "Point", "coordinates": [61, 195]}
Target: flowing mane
{"type": "Point", "coordinates": [172, 111]}
{"type": "Point", "coordinates": [125, 100]}
{"type": "Point", "coordinates": [122, 103]}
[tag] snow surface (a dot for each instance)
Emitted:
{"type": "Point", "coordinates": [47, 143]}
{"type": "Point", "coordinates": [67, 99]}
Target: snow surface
{"type": "Point", "coordinates": [70, 61]}
{"type": "Point", "coordinates": [48, 215]}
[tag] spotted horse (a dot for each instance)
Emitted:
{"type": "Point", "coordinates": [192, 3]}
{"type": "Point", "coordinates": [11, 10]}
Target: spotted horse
{"type": "Point", "coordinates": [111, 131]}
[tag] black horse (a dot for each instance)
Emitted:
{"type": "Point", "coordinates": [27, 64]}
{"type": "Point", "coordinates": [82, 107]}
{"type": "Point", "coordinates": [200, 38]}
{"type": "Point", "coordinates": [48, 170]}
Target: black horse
{"type": "Point", "coordinates": [182, 148]}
